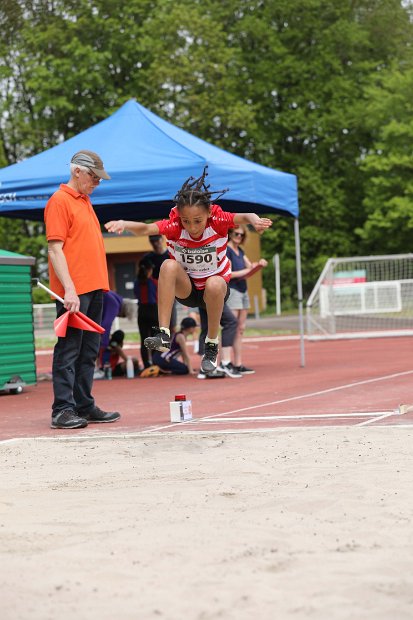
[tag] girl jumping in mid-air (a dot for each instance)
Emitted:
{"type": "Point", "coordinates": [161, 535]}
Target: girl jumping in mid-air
{"type": "Point", "coordinates": [198, 270]}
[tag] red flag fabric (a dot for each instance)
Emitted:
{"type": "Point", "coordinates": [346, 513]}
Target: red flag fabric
{"type": "Point", "coordinates": [81, 321]}
{"type": "Point", "coordinates": [77, 320]}
{"type": "Point", "coordinates": [60, 325]}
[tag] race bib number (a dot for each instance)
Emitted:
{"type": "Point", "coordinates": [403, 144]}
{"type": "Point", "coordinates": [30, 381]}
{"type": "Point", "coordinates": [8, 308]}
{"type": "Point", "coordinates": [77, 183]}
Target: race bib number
{"type": "Point", "coordinates": [199, 260]}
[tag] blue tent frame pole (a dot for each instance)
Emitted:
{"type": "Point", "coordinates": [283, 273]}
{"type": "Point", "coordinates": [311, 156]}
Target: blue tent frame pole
{"type": "Point", "coordinates": [299, 289]}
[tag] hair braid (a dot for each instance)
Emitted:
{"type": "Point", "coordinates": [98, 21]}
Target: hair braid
{"type": "Point", "coordinates": [196, 192]}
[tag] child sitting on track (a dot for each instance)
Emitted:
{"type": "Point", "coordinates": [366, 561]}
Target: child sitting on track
{"type": "Point", "coordinates": [116, 357]}
{"type": "Point", "coordinates": [198, 271]}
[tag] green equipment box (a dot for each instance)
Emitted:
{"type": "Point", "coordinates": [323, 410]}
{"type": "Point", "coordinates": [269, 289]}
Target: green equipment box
{"type": "Point", "coordinates": [17, 350]}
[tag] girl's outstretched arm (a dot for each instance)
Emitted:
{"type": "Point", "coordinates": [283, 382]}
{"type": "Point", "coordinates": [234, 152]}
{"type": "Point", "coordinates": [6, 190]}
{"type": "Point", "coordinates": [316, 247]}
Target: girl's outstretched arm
{"type": "Point", "coordinates": [140, 229]}
{"type": "Point", "coordinates": [259, 223]}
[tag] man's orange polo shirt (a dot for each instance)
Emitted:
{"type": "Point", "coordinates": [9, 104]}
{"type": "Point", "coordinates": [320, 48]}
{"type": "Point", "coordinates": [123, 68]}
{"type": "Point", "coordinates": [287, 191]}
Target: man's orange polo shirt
{"type": "Point", "coordinates": [69, 217]}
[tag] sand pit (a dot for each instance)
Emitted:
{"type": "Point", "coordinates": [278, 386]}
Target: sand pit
{"type": "Point", "coordinates": [302, 523]}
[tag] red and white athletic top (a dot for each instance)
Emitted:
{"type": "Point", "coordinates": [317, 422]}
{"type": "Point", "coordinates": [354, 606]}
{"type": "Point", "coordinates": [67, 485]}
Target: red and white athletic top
{"type": "Point", "coordinates": [203, 257]}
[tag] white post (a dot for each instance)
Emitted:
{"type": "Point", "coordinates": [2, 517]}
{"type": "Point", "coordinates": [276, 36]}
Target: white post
{"type": "Point", "coordinates": [256, 307]}
{"type": "Point", "coordinates": [299, 288]}
{"type": "Point", "coordinates": [276, 261]}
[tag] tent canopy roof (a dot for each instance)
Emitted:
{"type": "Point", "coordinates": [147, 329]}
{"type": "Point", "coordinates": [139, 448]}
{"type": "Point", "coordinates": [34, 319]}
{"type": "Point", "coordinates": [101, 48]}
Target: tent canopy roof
{"type": "Point", "coordinates": [148, 159]}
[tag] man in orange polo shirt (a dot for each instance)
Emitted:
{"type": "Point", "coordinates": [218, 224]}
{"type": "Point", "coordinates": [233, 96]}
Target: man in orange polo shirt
{"type": "Point", "coordinates": [78, 273]}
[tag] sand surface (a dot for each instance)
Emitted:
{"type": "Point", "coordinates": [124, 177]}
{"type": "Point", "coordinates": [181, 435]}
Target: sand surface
{"type": "Point", "coordinates": [313, 523]}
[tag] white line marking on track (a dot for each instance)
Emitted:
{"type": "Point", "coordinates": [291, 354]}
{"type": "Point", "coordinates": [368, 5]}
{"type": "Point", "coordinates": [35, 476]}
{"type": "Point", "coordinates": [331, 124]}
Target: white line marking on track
{"type": "Point", "coordinates": [311, 416]}
{"type": "Point", "coordinates": [346, 386]}
{"type": "Point", "coordinates": [385, 415]}
{"type": "Point", "coordinates": [291, 399]}
{"type": "Point", "coordinates": [191, 431]}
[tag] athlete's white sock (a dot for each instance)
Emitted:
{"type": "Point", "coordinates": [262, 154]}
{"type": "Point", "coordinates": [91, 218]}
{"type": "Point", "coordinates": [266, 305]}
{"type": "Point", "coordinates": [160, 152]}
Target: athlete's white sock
{"type": "Point", "coordinates": [213, 340]}
{"type": "Point", "coordinates": [166, 330]}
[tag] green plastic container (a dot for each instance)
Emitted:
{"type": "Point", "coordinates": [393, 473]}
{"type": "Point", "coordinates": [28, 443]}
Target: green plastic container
{"type": "Point", "coordinates": [17, 350]}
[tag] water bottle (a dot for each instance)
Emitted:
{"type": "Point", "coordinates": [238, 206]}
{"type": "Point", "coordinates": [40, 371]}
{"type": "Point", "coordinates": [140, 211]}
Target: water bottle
{"type": "Point", "coordinates": [107, 369]}
{"type": "Point", "coordinates": [130, 370]}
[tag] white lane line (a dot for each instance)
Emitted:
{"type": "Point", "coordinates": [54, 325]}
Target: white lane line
{"type": "Point", "coordinates": [385, 415]}
{"type": "Point", "coordinates": [371, 415]}
{"type": "Point", "coordinates": [374, 415]}
{"type": "Point", "coordinates": [346, 386]}
{"type": "Point", "coordinates": [315, 416]}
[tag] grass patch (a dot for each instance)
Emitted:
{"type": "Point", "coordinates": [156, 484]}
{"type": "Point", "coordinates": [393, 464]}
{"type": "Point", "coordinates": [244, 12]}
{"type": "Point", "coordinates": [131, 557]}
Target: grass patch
{"type": "Point", "coordinates": [268, 332]}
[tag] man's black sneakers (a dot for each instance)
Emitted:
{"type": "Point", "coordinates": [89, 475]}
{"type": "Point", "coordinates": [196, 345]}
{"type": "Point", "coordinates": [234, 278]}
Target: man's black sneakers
{"type": "Point", "coordinates": [160, 341]}
{"type": "Point", "coordinates": [97, 416]}
{"type": "Point", "coordinates": [67, 418]}
{"type": "Point", "coordinates": [209, 360]}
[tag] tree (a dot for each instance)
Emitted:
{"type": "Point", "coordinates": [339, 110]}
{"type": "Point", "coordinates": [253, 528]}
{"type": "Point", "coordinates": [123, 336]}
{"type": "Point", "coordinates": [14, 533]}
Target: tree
{"type": "Point", "coordinates": [283, 83]}
{"type": "Point", "coordinates": [388, 165]}
{"type": "Point", "coordinates": [24, 237]}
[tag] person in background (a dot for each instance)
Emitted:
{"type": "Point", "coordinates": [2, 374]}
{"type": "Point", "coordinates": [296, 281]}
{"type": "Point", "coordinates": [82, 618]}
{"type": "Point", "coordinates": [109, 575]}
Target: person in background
{"type": "Point", "coordinates": [117, 357]}
{"type": "Point", "coordinates": [167, 361]}
{"type": "Point", "coordinates": [114, 305]}
{"type": "Point", "coordinates": [158, 255]}
{"type": "Point", "coordinates": [229, 326]}
{"type": "Point", "coordinates": [238, 300]}
{"type": "Point", "coordinates": [78, 273]}
{"type": "Point", "coordinates": [146, 292]}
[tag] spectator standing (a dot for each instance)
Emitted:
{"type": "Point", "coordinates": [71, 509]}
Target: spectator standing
{"type": "Point", "coordinates": [114, 305]}
{"type": "Point", "coordinates": [158, 255]}
{"type": "Point", "coordinates": [229, 326]}
{"type": "Point", "coordinates": [78, 273]}
{"type": "Point", "coordinates": [238, 300]}
{"type": "Point", "coordinates": [146, 292]}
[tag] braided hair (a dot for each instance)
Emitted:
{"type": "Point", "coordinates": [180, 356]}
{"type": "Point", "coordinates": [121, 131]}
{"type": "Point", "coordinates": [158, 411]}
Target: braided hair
{"type": "Point", "coordinates": [195, 192]}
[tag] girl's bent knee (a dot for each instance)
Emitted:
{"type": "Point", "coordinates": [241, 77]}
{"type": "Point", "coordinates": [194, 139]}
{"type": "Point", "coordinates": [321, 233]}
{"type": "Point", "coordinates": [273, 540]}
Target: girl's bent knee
{"type": "Point", "coordinates": [169, 268]}
{"type": "Point", "coordinates": [216, 285]}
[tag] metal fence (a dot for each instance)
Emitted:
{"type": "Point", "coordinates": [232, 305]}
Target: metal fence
{"type": "Point", "coordinates": [364, 296]}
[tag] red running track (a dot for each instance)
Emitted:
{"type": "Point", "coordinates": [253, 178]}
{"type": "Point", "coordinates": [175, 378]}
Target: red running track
{"type": "Point", "coordinates": [347, 382]}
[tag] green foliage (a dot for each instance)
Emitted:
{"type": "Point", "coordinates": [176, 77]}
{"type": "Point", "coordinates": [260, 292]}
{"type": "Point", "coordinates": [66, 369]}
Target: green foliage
{"type": "Point", "coordinates": [40, 296]}
{"type": "Point", "coordinates": [319, 89]}
{"type": "Point", "coordinates": [389, 166]}
{"type": "Point", "coordinates": [25, 238]}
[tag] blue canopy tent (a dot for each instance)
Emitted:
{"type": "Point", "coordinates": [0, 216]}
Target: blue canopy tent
{"type": "Point", "coordinates": [148, 159]}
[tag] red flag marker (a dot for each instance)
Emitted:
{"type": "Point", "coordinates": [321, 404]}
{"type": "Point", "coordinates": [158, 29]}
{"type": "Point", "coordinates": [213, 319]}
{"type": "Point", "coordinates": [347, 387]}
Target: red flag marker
{"type": "Point", "coordinates": [77, 320]}
{"type": "Point", "coordinates": [74, 319]}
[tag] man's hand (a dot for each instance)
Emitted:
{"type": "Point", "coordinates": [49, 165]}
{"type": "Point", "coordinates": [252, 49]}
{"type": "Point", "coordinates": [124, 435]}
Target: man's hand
{"type": "Point", "coordinates": [71, 301]}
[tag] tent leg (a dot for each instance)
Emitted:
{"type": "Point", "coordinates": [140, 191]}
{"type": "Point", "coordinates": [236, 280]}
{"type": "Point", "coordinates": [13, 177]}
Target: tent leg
{"type": "Point", "coordinates": [299, 289]}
